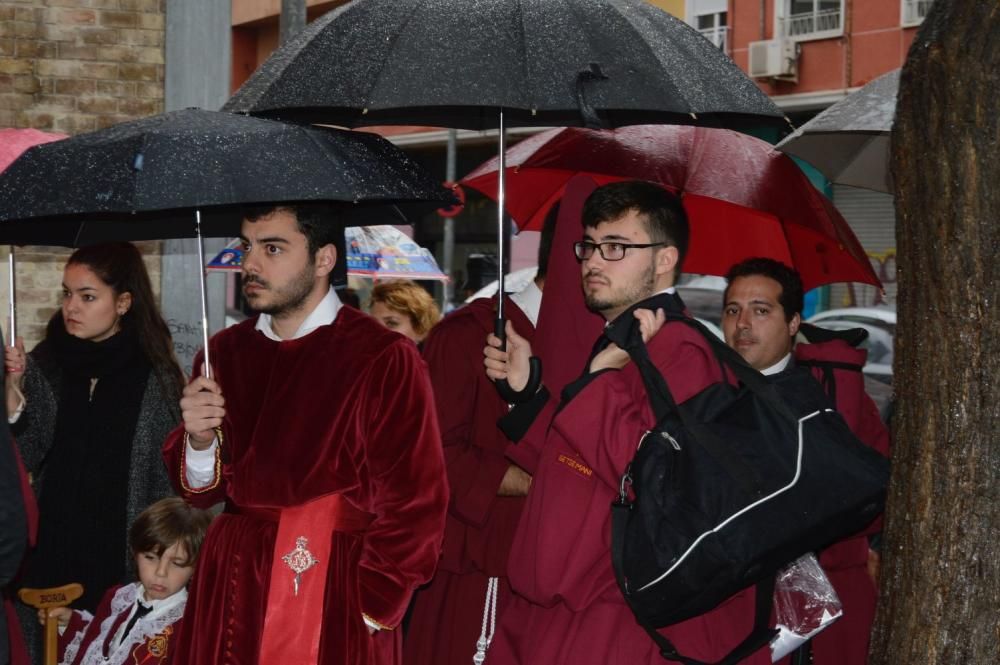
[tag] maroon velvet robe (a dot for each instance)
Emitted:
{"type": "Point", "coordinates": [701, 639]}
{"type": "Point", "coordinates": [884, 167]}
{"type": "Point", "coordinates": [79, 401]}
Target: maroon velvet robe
{"type": "Point", "coordinates": [845, 563]}
{"type": "Point", "coordinates": [447, 615]}
{"type": "Point", "coordinates": [560, 560]}
{"type": "Point", "coordinates": [346, 409]}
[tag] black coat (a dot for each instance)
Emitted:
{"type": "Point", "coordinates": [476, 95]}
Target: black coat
{"type": "Point", "coordinates": [13, 524]}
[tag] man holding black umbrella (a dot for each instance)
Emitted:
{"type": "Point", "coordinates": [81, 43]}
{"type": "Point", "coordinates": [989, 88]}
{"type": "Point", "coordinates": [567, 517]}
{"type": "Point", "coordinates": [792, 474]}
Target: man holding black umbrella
{"type": "Point", "coordinates": [634, 238]}
{"type": "Point", "coordinates": [317, 430]}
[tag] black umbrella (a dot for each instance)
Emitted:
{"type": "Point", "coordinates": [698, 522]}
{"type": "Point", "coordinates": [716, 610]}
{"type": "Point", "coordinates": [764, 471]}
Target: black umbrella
{"type": "Point", "coordinates": [187, 173]}
{"type": "Point", "coordinates": [453, 63]}
{"type": "Point", "coordinates": [479, 64]}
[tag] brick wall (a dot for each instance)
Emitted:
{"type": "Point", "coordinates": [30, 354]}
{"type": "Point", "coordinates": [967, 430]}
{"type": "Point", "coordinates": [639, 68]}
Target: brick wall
{"type": "Point", "coordinates": [74, 66]}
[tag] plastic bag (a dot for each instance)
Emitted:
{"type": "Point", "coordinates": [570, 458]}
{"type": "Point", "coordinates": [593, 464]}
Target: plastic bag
{"type": "Point", "coordinates": [804, 604]}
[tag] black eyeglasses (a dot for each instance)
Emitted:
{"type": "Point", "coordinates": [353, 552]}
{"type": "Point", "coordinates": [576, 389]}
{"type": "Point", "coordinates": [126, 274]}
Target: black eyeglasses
{"type": "Point", "coordinates": [610, 251]}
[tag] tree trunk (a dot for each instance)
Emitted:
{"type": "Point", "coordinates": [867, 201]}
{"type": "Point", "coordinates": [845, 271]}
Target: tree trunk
{"type": "Point", "coordinates": [940, 592]}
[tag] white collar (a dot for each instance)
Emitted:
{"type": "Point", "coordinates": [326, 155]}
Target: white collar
{"type": "Point", "coordinates": [324, 314]}
{"type": "Point", "coordinates": [529, 299]}
{"type": "Point", "coordinates": [158, 606]}
{"type": "Point", "coordinates": [778, 366]}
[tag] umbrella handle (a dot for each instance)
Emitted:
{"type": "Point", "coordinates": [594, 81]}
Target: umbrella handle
{"type": "Point", "coordinates": [508, 394]}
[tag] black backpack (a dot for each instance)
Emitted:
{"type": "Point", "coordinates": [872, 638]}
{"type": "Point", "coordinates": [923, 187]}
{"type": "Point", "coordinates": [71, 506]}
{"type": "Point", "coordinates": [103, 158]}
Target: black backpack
{"type": "Point", "coordinates": [730, 487]}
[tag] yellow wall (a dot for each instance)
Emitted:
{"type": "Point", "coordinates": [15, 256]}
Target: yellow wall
{"type": "Point", "coordinates": [675, 7]}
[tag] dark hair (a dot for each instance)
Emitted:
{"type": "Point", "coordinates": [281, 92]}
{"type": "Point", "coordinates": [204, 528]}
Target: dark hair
{"type": "Point", "coordinates": [316, 221]}
{"type": "Point", "coordinates": [350, 298]}
{"type": "Point", "coordinates": [545, 240]}
{"type": "Point", "coordinates": [661, 212]}
{"type": "Point", "coordinates": [791, 298]}
{"type": "Point", "coordinates": [120, 266]}
{"type": "Point", "coordinates": [166, 522]}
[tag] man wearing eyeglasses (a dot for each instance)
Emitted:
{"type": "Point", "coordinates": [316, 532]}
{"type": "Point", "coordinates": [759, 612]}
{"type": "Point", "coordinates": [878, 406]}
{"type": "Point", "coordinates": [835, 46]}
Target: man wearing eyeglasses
{"type": "Point", "coordinates": [635, 235]}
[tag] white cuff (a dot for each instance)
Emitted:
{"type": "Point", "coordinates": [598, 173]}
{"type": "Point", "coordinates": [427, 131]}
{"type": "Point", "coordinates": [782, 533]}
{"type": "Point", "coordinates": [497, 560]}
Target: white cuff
{"type": "Point", "coordinates": [14, 417]}
{"type": "Point", "coordinates": [371, 624]}
{"type": "Point", "coordinates": [199, 467]}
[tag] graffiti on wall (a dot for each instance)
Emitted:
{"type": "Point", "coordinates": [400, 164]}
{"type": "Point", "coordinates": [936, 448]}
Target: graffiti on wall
{"type": "Point", "coordinates": [187, 341]}
{"type": "Point", "coordinates": [863, 295]}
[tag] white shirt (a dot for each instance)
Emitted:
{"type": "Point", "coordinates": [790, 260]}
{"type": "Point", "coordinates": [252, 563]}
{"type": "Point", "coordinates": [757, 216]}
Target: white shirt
{"type": "Point", "coordinates": [778, 366]}
{"type": "Point", "coordinates": [529, 299]}
{"type": "Point", "coordinates": [200, 464]}
{"type": "Point", "coordinates": [324, 314]}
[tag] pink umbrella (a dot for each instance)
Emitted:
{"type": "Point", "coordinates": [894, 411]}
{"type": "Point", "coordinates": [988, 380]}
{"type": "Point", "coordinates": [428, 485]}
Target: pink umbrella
{"type": "Point", "coordinates": [15, 141]}
{"type": "Point", "coordinates": [12, 143]}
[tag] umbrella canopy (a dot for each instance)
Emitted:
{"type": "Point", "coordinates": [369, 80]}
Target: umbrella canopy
{"type": "Point", "coordinates": [849, 142]}
{"type": "Point", "coordinates": [480, 64]}
{"type": "Point", "coordinates": [385, 252]}
{"type": "Point", "coordinates": [744, 199]}
{"type": "Point", "coordinates": [15, 141]}
{"type": "Point", "coordinates": [142, 180]}
{"type": "Point", "coordinates": [376, 252]}
{"type": "Point", "coordinates": [453, 63]}
{"type": "Point", "coordinates": [155, 177]}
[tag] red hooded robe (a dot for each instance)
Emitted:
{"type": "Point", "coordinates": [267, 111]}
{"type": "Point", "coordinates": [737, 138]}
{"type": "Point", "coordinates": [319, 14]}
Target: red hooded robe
{"type": "Point", "coordinates": [448, 614]}
{"type": "Point", "coordinates": [560, 561]}
{"type": "Point", "coordinates": [845, 563]}
{"type": "Point", "coordinates": [345, 410]}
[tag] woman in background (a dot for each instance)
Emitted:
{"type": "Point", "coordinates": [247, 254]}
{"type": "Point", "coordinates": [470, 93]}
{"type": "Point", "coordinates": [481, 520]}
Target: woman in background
{"type": "Point", "coordinates": [404, 306]}
{"type": "Point", "coordinates": [90, 407]}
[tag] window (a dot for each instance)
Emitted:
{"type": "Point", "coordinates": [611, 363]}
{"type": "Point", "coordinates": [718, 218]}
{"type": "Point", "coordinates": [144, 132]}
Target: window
{"type": "Point", "coordinates": [812, 19]}
{"type": "Point", "coordinates": [914, 11]}
{"type": "Point", "coordinates": [709, 18]}
{"type": "Point", "coordinates": [713, 26]}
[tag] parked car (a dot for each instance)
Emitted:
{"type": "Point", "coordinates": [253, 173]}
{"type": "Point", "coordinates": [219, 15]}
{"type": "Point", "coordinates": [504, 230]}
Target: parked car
{"type": "Point", "coordinates": [880, 322]}
{"type": "Point", "coordinates": [704, 304]}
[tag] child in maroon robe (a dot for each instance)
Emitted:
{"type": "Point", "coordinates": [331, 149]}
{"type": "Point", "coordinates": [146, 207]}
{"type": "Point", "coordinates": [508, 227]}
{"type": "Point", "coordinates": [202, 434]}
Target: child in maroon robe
{"type": "Point", "coordinates": [134, 623]}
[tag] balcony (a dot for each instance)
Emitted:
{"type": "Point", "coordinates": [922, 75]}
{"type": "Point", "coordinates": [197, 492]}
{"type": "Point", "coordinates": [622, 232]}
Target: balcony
{"type": "Point", "coordinates": [718, 36]}
{"type": "Point", "coordinates": [814, 25]}
{"type": "Point", "coordinates": [914, 11]}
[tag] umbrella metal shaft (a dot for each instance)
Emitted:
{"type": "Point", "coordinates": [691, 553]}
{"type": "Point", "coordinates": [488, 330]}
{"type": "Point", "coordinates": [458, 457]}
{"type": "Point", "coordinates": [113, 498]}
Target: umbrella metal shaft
{"type": "Point", "coordinates": [207, 368]}
{"type": "Point", "coordinates": [13, 299]}
{"type": "Point", "coordinates": [501, 231]}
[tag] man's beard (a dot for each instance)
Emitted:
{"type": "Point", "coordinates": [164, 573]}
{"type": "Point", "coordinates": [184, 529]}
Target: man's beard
{"type": "Point", "coordinates": [624, 296]}
{"type": "Point", "coordinates": [286, 299]}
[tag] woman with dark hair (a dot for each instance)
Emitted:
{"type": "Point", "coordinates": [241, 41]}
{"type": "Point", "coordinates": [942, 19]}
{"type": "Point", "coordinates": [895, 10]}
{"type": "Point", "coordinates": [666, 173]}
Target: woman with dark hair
{"type": "Point", "coordinates": [90, 407]}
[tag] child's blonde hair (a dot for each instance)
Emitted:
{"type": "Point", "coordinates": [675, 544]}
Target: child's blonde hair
{"type": "Point", "coordinates": [166, 522]}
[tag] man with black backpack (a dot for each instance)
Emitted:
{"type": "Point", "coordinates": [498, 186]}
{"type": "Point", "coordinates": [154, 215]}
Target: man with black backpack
{"type": "Point", "coordinates": [761, 316]}
{"type": "Point", "coordinates": [571, 611]}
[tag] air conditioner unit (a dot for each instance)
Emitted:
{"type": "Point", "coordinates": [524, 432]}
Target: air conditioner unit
{"type": "Point", "coordinates": [774, 58]}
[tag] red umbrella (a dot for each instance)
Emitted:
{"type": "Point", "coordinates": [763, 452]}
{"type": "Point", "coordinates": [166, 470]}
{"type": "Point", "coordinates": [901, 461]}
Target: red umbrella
{"type": "Point", "coordinates": [744, 198]}
{"type": "Point", "coordinates": [12, 143]}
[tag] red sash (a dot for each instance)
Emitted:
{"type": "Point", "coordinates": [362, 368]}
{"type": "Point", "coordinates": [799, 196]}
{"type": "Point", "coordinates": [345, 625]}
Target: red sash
{"type": "Point", "coordinates": [294, 613]}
